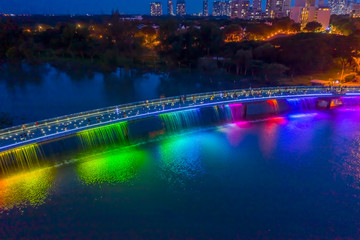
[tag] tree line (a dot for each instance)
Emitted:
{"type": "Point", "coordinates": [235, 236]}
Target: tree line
{"type": "Point", "coordinates": [239, 47]}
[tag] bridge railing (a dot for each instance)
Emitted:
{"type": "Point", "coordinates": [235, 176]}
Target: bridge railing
{"type": "Point", "coordinates": [176, 102]}
{"type": "Point", "coordinates": [134, 104]}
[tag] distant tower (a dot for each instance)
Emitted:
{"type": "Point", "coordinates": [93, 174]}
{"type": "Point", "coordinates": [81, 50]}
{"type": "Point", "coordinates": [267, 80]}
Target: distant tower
{"type": "Point", "coordinates": [240, 9]}
{"type": "Point", "coordinates": [170, 8]}
{"type": "Point", "coordinates": [205, 8]}
{"type": "Point", "coordinates": [256, 5]}
{"type": "Point", "coordinates": [181, 8]}
{"type": "Point", "coordinates": [221, 8]}
{"type": "Point", "coordinates": [269, 8]}
{"type": "Point", "coordinates": [287, 7]}
{"type": "Point", "coordinates": [156, 9]}
{"type": "Point", "coordinates": [338, 7]}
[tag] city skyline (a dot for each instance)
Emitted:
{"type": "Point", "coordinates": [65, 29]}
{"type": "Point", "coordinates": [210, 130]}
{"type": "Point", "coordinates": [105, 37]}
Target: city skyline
{"type": "Point", "coordinates": [93, 7]}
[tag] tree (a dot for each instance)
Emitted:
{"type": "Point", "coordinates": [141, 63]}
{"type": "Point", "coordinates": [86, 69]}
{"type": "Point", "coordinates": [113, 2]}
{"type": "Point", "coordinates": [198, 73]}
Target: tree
{"type": "Point", "coordinates": [211, 38]}
{"type": "Point", "coordinates": [242, 60]}
{"type": "Point", "coordinates": [313, 26]}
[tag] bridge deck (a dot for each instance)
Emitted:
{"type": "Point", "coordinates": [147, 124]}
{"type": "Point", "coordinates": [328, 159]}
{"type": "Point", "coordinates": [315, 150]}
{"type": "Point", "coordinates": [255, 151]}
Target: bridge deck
{"type": "Point", "coordinates": [62, 126]}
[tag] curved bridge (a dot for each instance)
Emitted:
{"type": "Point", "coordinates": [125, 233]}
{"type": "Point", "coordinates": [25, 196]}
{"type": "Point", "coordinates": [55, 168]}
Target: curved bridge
{"type": "Point", "coordinates": [49, 129]}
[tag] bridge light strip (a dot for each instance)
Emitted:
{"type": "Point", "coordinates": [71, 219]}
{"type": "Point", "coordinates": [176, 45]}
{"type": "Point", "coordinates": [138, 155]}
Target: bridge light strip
{"type": "Point", "coordinates": [352, 94]}
{"type": "Point", "coordinates": [157, 113]}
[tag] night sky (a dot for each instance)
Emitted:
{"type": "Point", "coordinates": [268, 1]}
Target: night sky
{"type": "Point", "coordinates": [87, 6]}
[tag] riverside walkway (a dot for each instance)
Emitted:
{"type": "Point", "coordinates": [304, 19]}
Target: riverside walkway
{"type": "Point", "coordinates": [70, 124]}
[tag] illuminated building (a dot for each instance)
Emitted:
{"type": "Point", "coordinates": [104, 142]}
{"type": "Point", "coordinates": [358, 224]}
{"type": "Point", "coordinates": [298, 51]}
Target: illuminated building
{"type": "Point", "coordinates": [286, 7]}
{"type": "Point", "coordinates": [221, 8]}
{"type": "Point", "coordinates": [304, 15]}
{"type": "Point", "coordinates": [205, 8]}
{"type": "Point", "coordinates": [240, 9]}
{"type": "Point", "coordinates": [269, 11]}
{"type": "Point", "coordinates": [170, 8]}
{"type": "Point", "coordinates": [355, 10]}
{"type": "Point", "coordinates": [278, 8]}
{"type": "Point", "coordinates": [323, 16]}
{"type": "Point", "coordinates": [338, 7]}
{"type": "Point", "coordinates": [256, 5]}
{"type": "Point", "coordinates": [299, 15]}
{"type": "Point", "coordinates": [155, 9]}
{"type": "Point", "coordinates": [181, 8]}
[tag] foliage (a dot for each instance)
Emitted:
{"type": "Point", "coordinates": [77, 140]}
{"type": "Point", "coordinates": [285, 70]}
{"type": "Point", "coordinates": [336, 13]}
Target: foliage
{"type": "Point", "coordinates": [313, 26]}
{"type": "Point", "coordinates": [239, 47]}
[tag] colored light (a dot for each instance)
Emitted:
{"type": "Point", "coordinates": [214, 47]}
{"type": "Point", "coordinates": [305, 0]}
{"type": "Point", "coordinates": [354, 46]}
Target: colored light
{"type": "Point", "coordinates": [23, 158]}
{"type": "Point", "coordinates": [113, 166]}
{"type": "Point", "coordinates": [30, 188]}
{"type": "Point", "coordinates": [302, 115]}
{"type": "Point", "coordinates": [102, 136]}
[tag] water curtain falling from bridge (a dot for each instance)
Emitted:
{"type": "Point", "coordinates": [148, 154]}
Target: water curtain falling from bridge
{"type": "Point", "coordinates": [180, 121]}
{"type": "Point", "coordinates": [196, 118]}
{"type": "Point", "coordinates": [301, 104]}
{"type": "Point", "coordinates": [23, 158]}
{"type": "Point", "coordinates": [104, 136]}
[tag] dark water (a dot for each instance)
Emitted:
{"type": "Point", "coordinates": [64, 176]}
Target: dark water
{"type": "Point", "coordinates": [32, 93]}
{"type": "Point", "coordinates": [294, 177]}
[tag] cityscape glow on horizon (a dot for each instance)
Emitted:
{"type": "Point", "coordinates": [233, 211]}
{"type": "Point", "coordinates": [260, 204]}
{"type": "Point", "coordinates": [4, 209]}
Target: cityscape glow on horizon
{"type": "Point", "coordinates": [83, 7]}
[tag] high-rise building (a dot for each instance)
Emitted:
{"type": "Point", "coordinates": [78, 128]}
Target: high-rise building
{"type": "Point", "coordinates": [240, 9]}
{"type": "Point", "coordinates": [338, 7]}
{"type": "Point", "coordinates": [276, 8]}
{"type": "Point", "coordinates": [286, 7]}
{"type": "Point", "coordinates": [355, 10]}
{"type": "Point", "coordinates": [170, 8]}
{"type": "Point", "coordinates": [304, 15]}
{"type": "Point", "coordinates": [181, 8]}
{"type": "Point", "coordinates": [323, 16]}
{"type": "Point", "coordinates": [206, 8]}
{"type": "Point", "coordinates": [155, 9]}
{"type": "Point", "coordinates": [256, 5]}
{"type": "Point", "coordinates": [221, 8]}
{"type": "Point", "coordinates": [349, 6]}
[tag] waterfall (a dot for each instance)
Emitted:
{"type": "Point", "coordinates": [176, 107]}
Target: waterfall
{"type": "Point", "coordinates": [237, 112]}
{"type": "Point", "coordinates": [180, 121]}
{"type": "Point", "coordinates": [301, 104]}
{"type": "Point", "coordinates": [22, 158]}
{"type": "Point", "coordinates": [103, 136]}
{"type": "Point", "coordinates": [223, 114]}
{"type": "Point", "coordinates": [274, 104]}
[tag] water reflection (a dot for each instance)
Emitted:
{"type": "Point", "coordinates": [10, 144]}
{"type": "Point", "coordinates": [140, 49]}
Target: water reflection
{"type": "Point", "coordinates": [30, 93]}
{"type": "Point", "coordinates": [268, 136]}
{"type": "Point", "coordinates": [26, 189]}
{"type": "Point", "coordinates": [118, 165]}
{"type": "Point", "coordinates": [180, 159]}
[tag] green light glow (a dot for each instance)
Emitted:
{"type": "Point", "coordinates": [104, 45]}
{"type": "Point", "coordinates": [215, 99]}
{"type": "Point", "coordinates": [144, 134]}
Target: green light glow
{"type": "Point", "coordinates": [29, 188]}
{"type": "Point", "coordinates": [179, 121]}
{"type": "Point", "coordinates": [102, 136]}
{"type": "Point", "coordinates": [119, 165]}
{"type": "Point", "coordinates": [180, 159]}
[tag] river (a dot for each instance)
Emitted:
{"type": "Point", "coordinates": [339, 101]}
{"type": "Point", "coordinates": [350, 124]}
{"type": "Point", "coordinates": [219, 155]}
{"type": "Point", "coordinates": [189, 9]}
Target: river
{"type": "Point", "coordinates": [295, 176]}
{"type": "Point", "coordinates": [31, 93]}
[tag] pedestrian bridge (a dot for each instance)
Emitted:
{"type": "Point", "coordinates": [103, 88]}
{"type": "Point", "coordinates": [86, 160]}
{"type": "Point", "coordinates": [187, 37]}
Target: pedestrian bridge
{"type": "Point", "coordinates": [50, 129]}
